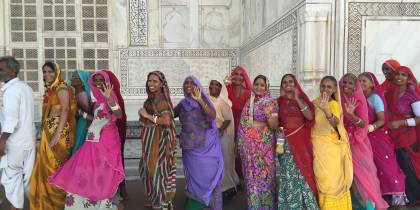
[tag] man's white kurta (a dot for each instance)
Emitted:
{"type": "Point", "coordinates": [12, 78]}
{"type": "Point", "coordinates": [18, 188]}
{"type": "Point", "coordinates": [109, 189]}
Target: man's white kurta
{"type": "Point", "coordinates": [17, 118]}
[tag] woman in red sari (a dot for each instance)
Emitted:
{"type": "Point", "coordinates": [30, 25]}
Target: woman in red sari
{"type": "Point", "coordinates": [404, 106]}
{"type": "Point", "coordinates": [239, 91]}
{"type": "Point", "coordinates": [296, 116]}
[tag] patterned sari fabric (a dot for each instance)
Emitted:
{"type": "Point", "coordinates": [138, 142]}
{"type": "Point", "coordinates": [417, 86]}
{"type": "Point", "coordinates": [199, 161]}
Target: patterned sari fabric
{"type": "Point", "coordinates": [238, 103]}
{"type": "Point", "coordinates": [393, 64]}
{"type": "Point", "coordinates": [406, 139]}
{"type": "Point", "coordinates": [82, 124]}
{"type": "Point", "coordinates": [201, 151]}
{"type": "Point", "coordinates": [257, 150]}
{"type": "Point", "coordinates": [391, 177]}
{"type": "Point", "coordinates": [95, 171]}
{"type": "Point", "coordinates": [366, 182]}
{"type": "Point", "coordinates": [297, 187]}
{"type": "Point", "coordinates": [42, 195]}
{"type": "Point", "coordinates": [158, 161]}
{"type": "Point", "coordinates": [333, 166]}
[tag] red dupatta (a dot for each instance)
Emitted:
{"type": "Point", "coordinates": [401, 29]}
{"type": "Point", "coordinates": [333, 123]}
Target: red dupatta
{"type": "Point", "coordinates": [405, 136]}
{"type": "Point", "coordinates": [393, 64]}
{"type": "Point", "coordinates": [121, 122]}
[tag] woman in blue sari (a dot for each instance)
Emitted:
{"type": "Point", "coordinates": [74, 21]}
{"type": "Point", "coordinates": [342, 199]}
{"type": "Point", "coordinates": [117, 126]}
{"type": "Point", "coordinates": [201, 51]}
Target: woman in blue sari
{"type": "Point", "coordinates": [79, 81]}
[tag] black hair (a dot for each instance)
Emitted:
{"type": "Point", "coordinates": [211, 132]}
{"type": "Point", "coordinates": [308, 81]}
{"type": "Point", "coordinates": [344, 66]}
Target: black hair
{"type": "Point", "coordinates": [332, 79]}
{"type": "Point", "coordinates": [51, 65]}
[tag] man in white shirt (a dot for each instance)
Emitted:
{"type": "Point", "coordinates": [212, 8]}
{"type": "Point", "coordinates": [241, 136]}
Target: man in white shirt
{"type": "Point", "coordinates": [17, 140]}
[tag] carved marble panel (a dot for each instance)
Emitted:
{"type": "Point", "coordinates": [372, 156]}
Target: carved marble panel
{"type": "Point", "coordinates": [214, 26]}
{"type": "Point", "coordinates": [138, 22]}
{"type": "Point", "coordinates": [357, 11]}
{"type": "Point", "coordinates": [176, 64]}
{"type": "Point", "coordinates": [175, 26]}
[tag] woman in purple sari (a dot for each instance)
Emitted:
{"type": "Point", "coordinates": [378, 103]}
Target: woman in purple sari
{"type": "Point", "coordinates": [201, 149]}
{"type": "Point", "coordinates": [391, 177]}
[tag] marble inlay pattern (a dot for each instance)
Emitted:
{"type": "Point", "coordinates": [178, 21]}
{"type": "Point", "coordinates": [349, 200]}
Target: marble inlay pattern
{"type": "Point", "coordinates": [202, 62]}
{"type": "Point", "coordinates": [358, 10]}
{"type": "Point", "coordinates": [138, 22]}
{"type": "Point", "coordinates": [285, 24]}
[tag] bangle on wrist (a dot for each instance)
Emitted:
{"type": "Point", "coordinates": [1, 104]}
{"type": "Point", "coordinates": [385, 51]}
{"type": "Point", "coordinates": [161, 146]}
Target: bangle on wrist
{"type": "Point", "coordinates": [330, 117]}
{"type": "Point", "coordinates": [358, 121]}
{"type": "Point", "coordinates": [304, 108]}
{"type": "Point", "coordinates": [410, 122]}
{"type": "Point", "coordinates": [155, 119]}
{"type": "Point", "coordinates": [114, 108]}
{"type": "Point", "coordinates": [85, 115]}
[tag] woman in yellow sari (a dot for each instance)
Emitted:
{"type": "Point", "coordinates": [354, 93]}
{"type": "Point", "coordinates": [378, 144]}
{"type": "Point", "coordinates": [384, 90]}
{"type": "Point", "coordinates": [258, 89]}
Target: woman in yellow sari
{"type": "Point", "coordinates": [57, 136]}
{"type": "Point", "coordinates": [332, 156]}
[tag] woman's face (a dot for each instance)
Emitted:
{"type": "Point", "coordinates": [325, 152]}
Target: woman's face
{"type": "Point", "coordinates": [366, 84]}
{"type": "Point", "coordinates": [259, 86]}
{"type": "Point", "coordinates": [327, 86]}
{"type": "Point", "coordinates": [349, 85]}
{"type": "Point", "coordinates": [214, 88]}
{"type": "Point", "coordinates": [49, 74]}
{"type": "Point", "coordinates": [288, 84]}
{"type": "Point", "coordinates": [189, 86]}
{"type": "Point", "coordinates": [76, 82]}
{"type": "Point", "coordinates": [154, 84]}
{"type": "Point", "coordinates": [401, 78]}
{"type": "Point", "coordinates": [99, 81]}
{"type": "Point", "coordinates": [387, 70]}
{"type": "Point", "coordinates": [237, 78]}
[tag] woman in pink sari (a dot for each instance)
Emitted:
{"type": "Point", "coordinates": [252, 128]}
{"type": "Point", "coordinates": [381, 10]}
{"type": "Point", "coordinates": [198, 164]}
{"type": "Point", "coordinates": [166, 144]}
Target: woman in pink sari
{"type": "Point", "coordinates": [366, 184]}
{"type": "Point", "coordinates": [391, 177]}
{"type": "Point", "coordinates": [239, 91]}
{"type": "Point", "coordinates": [92, 175]}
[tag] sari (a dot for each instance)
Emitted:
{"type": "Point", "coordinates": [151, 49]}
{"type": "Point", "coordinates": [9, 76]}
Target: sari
{"type": "Point", "coordinates": [333, 167]}
{"type": "Point", "coordinates": [42, 195]}
{"type": "Point", "coordinates": [201, 152]}
{"type": "Point", "coordinates": [393, 64]}
{"type": "Point", "coordinates": [93, 174]}
{"type": "Point", "coordinates": [297, 189]}
{"type": "Point", "coordinates": [122, 121]}
{"type": "Point", "coordinates": [238, 103]}
{"type": "Point", "coordinates": [366, 182]}
{"type": "Point", "coordinates": [82, 98]}
{"type": "Point", "coordinates": [406, 139]}
{"type": "Point", "coordinates": [391, 177]}
{"type": "Point", "coordinates": [158, 161]}
{"type": "Point", "coordinates": [223, 105]}
{"type": "Point", "coordinates": [256, 145]}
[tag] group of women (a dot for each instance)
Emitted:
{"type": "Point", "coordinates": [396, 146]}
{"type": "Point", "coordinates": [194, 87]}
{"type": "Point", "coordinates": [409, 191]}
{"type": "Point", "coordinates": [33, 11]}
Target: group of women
{"type": "Point", "coordinates": [355, 146]}
{"type": "Point", "coordinates": [79, 162]}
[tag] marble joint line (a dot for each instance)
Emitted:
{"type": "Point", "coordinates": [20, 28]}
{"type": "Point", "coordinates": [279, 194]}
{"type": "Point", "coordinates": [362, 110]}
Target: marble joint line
{"type": "Point", "coordinates": [358, 10]}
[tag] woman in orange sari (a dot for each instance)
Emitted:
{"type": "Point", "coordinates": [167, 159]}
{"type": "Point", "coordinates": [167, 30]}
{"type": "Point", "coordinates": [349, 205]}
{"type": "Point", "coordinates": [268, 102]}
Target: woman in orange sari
{"type": "Point", "coordinates": [57, 136]}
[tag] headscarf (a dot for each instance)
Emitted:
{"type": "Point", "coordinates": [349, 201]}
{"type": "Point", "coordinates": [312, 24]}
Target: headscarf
{"type": "Point", "coordinates": [188, 102]}
{"type": "Point", "coordinates": [84, 76]}
{"type": "Point", "coordinates": [96, 92]}
{"type": "Point", "coordinates": [122, 121]}
{"type": "Point", "coordinates": [164, 90]}
{"type": "Point", "coordinates": [246, 83]}
{"type": "Point", "coordinates": [362, 108]}
{"type": "Point", "coordinates": [299, 88]}
{"type": "Point", "coordinates": [378, 91]}
{"type": "Point", "coordinates": [57, 80]}
{"type": "Point", "coordinates": [265, 95]}
{"type": "Point", "coordinates": [393, 64]}
{"type": "Point", "coordinates": [224, 95]}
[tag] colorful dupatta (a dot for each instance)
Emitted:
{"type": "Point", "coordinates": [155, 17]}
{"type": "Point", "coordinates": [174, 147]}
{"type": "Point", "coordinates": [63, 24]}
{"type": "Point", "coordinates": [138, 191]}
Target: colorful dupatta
{"type": "Point", "coordinates": [365, 180]}
{"type": "Point", "coordinates": [391, 177]}
{"type": "Point", "coordinates": [81, 124]}
{"type": "Point", "coordinates": [256, 145]}
{"type": "Point", "coordinates": [44, 196]}
{"type": "Point", "coordinates": [158, 161]}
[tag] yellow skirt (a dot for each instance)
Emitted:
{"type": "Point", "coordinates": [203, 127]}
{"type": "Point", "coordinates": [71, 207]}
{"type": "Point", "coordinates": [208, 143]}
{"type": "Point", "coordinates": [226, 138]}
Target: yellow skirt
{"type": "Point", "coordinates": [42, 195]}
{"type": "Point", "coordinates": [343, 203]}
